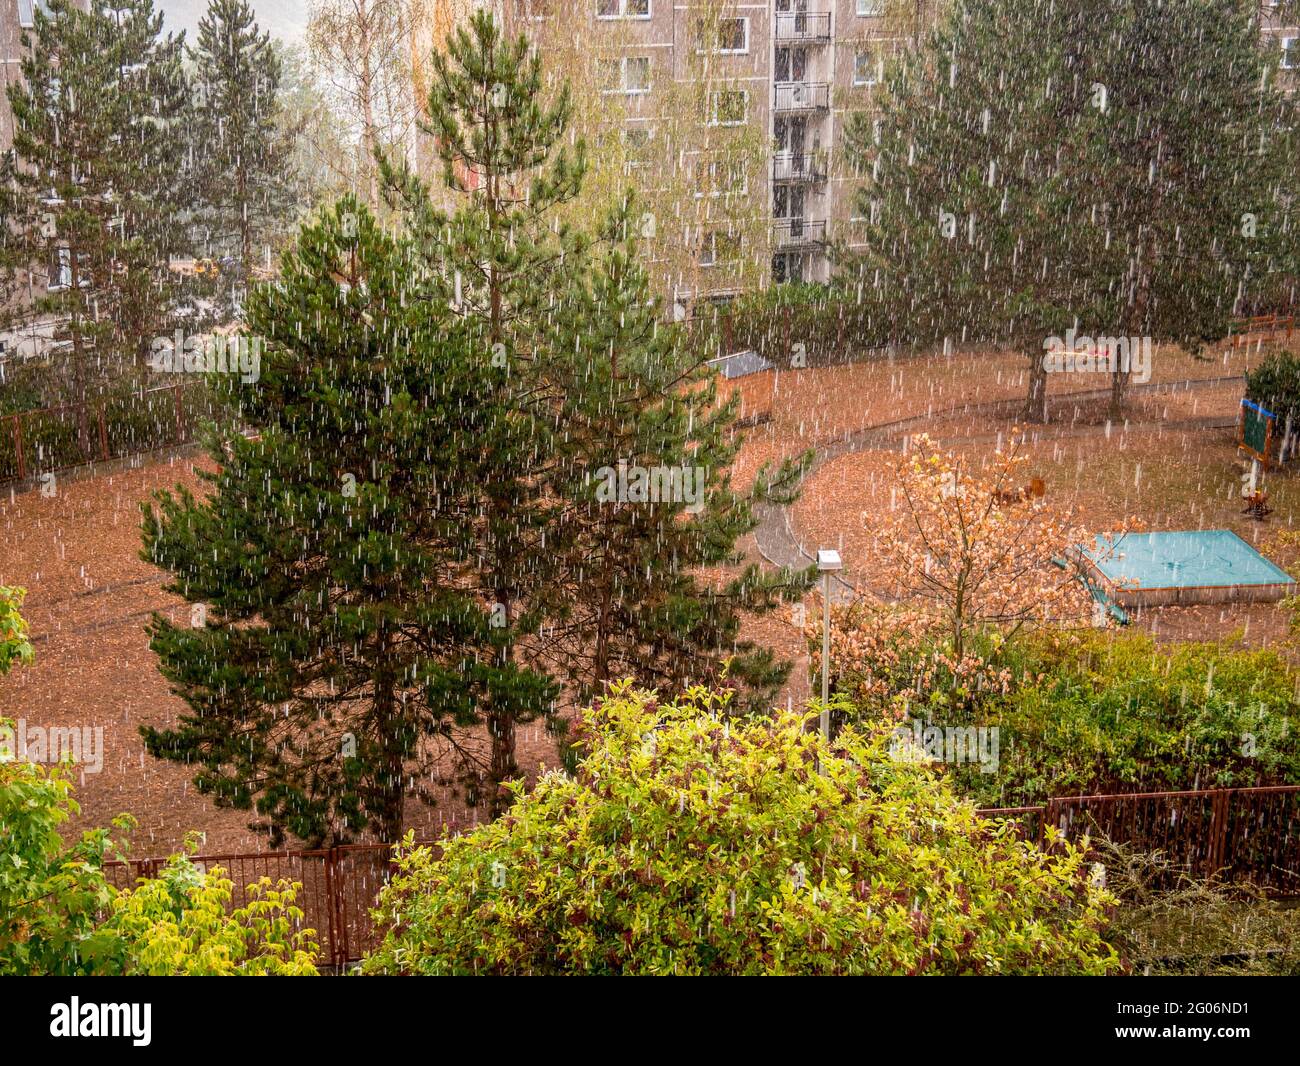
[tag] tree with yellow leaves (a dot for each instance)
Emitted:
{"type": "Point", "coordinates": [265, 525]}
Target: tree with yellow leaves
{"type": "Point", "coordinates": [976, 548]}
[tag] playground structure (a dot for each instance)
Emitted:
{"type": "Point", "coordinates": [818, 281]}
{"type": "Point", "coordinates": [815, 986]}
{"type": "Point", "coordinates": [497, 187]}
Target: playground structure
{"type": "Point", "coordinates": [1180, 569]}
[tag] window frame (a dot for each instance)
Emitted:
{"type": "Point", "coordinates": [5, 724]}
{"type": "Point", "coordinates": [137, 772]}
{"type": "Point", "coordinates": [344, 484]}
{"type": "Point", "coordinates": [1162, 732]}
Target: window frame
{"type": "Point", "coordinates": [874, 79]}
{"type": "Point", "coordinates": [715, 98]}
{"type": "Point", "coordinates": [744, 25]}
{"type": "Point", "coordinates": [622, 12]}
{"type": "Point", "coordinates": [621, 89]}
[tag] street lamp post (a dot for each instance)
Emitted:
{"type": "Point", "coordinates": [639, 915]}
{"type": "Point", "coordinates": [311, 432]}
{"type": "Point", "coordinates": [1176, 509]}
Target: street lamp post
{"type": "Point", "coordinates": [828, 563]}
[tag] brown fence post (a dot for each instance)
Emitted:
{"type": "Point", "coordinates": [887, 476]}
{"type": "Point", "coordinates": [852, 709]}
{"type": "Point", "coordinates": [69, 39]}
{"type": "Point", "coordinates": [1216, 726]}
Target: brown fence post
{"type": "Point", "coordinates": [338, 954]}
{"type": "Point", "coordinates": [1214, 859]}
{"type": "Point", "coordinates": [103, 435]}
{"type": "Point", "coordinates": [340, 909]}
{"type": "Point", "coordinates": [18, 447]}
{"type": "Point", "coordinates": [176, 396]}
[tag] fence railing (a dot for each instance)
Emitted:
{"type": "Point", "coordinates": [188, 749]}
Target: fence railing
{"type": "Point", "coordinates": [111, 427]}
{"type": "Point", "coordinates": [340, 886]}
{"type": "Point", "coordinates": [1249, 835]}
{"type": "Point", "coordinates": [1238, 834]}
{"type": "Point", "coordinates": [1240, 330]}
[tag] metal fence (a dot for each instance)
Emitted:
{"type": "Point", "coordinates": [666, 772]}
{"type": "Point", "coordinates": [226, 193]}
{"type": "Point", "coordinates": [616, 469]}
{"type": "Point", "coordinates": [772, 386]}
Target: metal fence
{"type": "Point", "coordinates": [1247, 835]}
{"type": "Point", "coordinates": [339, 888]}
{"type": "Point", "coordinates": [1239, 834]}
{"type": "Point", "coordinates": [113, 427]}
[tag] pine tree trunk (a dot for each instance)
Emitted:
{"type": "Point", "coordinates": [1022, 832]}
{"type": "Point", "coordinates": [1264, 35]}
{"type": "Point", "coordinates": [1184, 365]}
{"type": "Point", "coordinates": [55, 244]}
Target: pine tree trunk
{"type": "Point", "coordinates": [501, 728]}
{"type": "Point", "coordinates": [1036, 401]}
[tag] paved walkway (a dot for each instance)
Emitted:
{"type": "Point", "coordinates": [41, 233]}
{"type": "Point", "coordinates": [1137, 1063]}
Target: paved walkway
{"type": "Point", "coordinates": [775, 536]}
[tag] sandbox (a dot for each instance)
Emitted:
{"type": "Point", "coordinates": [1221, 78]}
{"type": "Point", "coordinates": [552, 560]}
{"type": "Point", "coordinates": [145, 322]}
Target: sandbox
{"type": "Point", "coordinates": [1183, 567]}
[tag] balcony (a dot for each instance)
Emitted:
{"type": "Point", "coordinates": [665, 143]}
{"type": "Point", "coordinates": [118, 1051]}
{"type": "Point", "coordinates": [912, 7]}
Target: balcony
{"type": "Point", "coordinates": [803, 27]}
{"type": "Point", "coordinates": [796, 96]}
{"type": "Point", "coordinates": [798, 232]}
{"type": "Point", "coordinates": [798, 168]}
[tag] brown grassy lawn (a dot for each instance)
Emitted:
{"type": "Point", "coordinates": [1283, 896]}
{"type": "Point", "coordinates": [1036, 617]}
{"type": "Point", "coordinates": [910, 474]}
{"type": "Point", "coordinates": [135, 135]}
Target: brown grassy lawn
{"type": "Point", "coordinates": [90, 593]}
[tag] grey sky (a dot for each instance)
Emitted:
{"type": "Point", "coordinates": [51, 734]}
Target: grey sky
{"type": "Point", "coordinates": [284, 18]}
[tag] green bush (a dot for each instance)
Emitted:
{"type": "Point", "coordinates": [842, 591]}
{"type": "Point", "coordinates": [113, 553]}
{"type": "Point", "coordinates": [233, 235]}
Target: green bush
{"type": "Point", "coordinates": [831, 324]}
{"type": "Point", "coordinates": [60, 916]}
{"type": "Point", "coordinates": [181, 924]}
{"type": "Point", "coordinates": [1275, 383]}
{"type": "Point", "coordinates": [1107, 712]}
{"type": "Point", "coordinates": [694, 842]}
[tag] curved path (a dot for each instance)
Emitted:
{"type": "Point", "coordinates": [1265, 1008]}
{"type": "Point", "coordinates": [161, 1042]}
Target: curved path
{"type": "Point", "coordinates": [775, 536]}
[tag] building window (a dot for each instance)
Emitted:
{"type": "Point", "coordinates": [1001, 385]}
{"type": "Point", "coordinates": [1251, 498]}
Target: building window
{"type": "Point", "coordinates": [535, 10]}
{"type": "Point", "coordinates": [721, 178]}
{"type": "Point", "coordinates": [623, 9]}
{"type": "Point", "coordinates": [870, 8]}
{"type": "Point", "coordinates": [1291, 53]}
{"type": "Point", "coordinates": [60, 270]}
{"type": "Point", "coordinates": [733, 36]}
{"type": "Point", "coordinates": [718, 248]}
{"type": "Point", "coordinates": [630, 75]}
{"type": "Point", "coordinates": [25, 16]}
{"type": "Point", "coordinates": [636, 146]}
{"type": "Point", "coordinates": [866, 70]}
{"type": "Point", "coordinates": [728, 107]}
{"type": "Point", "coordinates": [788, 267]}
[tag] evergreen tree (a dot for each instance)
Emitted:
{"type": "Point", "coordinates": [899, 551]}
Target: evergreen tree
{"type": "Point", "coordinates": [1195, 174]}
{"type": "Point", "coordinates": [241, 157]}
{"type": "Point", "coordinates": [334, 649]}
{"type": "Point", "coordinates": [98, 166]}
{"type": "Point", "coordinates": [501, 261]}
{"type": "Point", "coordinates": [976, 195]}
{"type": "Point", "coordinates": [1113, 166]}
{"type": "Point", "coordinates": [645, 450]}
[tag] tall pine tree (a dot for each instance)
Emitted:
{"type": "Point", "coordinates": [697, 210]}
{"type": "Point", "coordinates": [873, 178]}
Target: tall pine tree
{"type": "Point", "coordinates": [334, 651]}
{"type": "Point", "coordinates": [645, 449]}
{"type": "Point", "coordinates": [241, 156]}
{"type": "Point", "coordinates": [501, 262]}
{"type": "Point", "coordinates": [99, 164]}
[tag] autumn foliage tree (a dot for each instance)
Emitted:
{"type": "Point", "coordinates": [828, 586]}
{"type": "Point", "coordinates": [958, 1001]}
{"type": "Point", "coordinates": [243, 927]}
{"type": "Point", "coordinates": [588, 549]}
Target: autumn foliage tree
{"type": "Point", "coordinates": [977, 545]}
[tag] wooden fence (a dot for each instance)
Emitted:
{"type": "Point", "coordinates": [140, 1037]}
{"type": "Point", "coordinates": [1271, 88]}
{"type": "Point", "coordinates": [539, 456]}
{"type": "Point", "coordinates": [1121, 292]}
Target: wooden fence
{"type": "Point", "coordinates": [38, 442]}
{"type": "Point", "coordinates": [1249, 835]}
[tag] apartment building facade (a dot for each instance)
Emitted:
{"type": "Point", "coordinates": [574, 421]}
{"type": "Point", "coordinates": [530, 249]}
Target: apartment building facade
{"type": "Point", "coordinates": [788, 69]}
{"type": "Point", "coordinates": [16, 16]}
{"type": "Point", "coordinates": [796, 70]}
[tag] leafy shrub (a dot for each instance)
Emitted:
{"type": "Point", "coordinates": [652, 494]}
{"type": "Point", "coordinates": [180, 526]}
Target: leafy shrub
{"type": "Point", "coordinates": [59, 915]}
{"type": "Point", "coordinates": [1106, 712]}
{"type": "Point", "coordinates": [1275, 383]}
{"type": "Point", "coordinates": [827, 321]}
{"type": "Point", "coordinates": [181, 924]}
{"type": "Point", "coordinates": [14, 645]}
{"type": "Point", "coordinates": [51, 894]}
{"type": "Point", "coordinates": [693, 842]}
